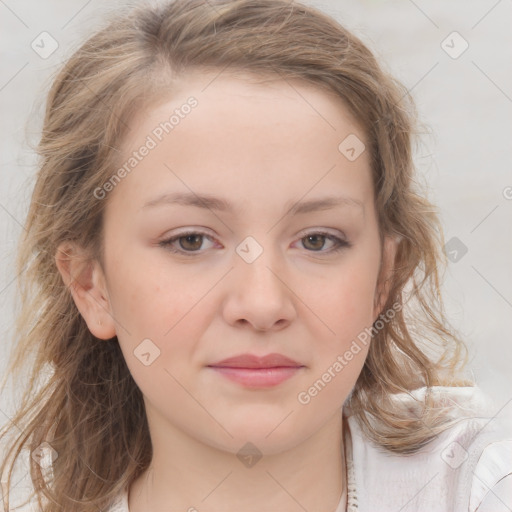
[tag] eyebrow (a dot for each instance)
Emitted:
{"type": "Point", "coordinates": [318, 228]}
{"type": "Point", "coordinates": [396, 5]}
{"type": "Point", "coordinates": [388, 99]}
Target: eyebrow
{"type": "Point", "coordinates": [218, 204]}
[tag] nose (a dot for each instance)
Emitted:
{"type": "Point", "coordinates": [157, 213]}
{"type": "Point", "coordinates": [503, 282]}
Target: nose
{"type": "Point", "coordinates": [258, 294]}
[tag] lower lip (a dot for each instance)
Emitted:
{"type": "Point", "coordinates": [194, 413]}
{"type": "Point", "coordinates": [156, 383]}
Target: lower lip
{"type": "Point", "coordinates": [257, 377]}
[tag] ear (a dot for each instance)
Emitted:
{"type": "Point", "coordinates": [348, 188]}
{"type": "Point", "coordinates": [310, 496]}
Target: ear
{"type": "Point", "coordinates": [85, 279]}
{"type": "Point", "coordinates": [384, 282]}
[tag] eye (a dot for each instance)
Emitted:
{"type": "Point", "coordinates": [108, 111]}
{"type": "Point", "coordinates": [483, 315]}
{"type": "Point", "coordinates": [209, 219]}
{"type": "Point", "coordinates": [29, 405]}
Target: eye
{"type": "Point", "coordinates": [315, 242]}
{"type": "Point", "coordinates": [186, 243]}
{"type": "Point", "coordinates": [192, 243]}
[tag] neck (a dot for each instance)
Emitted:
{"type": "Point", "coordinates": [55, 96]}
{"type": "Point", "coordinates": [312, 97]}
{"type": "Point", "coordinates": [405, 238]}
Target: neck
{"type": "Point", "coordinates": [187, 475]}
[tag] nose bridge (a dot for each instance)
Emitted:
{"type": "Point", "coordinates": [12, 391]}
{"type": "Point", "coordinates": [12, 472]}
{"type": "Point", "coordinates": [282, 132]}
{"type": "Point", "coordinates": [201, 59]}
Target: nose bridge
{"type": "Point", "coordinates": [259, 264]}
{"type": "Point", "coordinates": [258, 293]}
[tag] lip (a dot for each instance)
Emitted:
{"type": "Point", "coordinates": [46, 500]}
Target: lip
{"type": "Point", "coordinates": [257, 371]}
{"type": "Point", "coordinates": [251, 361]}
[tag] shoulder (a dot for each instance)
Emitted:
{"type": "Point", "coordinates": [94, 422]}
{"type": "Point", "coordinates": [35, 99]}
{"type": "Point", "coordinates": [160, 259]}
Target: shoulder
{"type": "Point", "coordinates": [491, 488]}
{"type": "Point", "coordinates": [460, 470]}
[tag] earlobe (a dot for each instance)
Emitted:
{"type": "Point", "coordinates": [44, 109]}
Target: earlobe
{"type": "Point", "coordinates": [384, 282]}
{"type": "Point", "coordinates": [85, 280]}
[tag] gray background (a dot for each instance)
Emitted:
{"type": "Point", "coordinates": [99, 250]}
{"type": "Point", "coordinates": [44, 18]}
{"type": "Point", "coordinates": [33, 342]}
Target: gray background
{"type": "Point", "coordinates": [464, 156]}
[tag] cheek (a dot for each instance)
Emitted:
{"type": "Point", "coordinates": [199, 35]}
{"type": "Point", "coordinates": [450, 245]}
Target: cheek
{"type": "Point", "coordinates": [347, 307]}
{"type": "Point", "coordinates": [162, 319]}
{"type": "Point", "coordinates": [152, 297]}
{"type": "Point", "coordinates": [347, 299]}
{"type": "Point", "coordinates": [170, 307]}
{"type": "Point", "coordinates": [343, 353]}
{"type": "Point", "coordinates": [346, 304]}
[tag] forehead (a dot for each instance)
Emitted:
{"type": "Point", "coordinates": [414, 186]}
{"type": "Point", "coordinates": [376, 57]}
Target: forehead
{"type": "Point", "coordinates": [246, 135]}
{"type": "Point", "coordinates": [214, 87]}
{"type": "Point", "coordinates": [261, 101]}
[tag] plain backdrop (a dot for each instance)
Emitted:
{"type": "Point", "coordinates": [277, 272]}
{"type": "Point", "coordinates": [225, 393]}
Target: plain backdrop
{"type": "Point", "coordinates": [455, 57]}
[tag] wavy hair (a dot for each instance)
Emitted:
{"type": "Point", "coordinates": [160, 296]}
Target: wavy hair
{"type": "Point", "coordinates": [81, 398]}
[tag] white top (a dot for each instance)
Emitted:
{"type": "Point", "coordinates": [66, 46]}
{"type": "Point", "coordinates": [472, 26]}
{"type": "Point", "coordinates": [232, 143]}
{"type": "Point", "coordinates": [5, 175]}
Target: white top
{"type": "Point", "coordinates": [468, 468]}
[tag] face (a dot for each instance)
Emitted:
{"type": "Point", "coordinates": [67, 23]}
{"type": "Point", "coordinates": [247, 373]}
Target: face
{"type": "Point", "coordinates": [243, 230]}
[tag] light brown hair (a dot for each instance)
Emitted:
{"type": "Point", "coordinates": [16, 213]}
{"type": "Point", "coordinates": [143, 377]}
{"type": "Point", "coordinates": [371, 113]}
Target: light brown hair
{"type": "Point", "coordinates": [81, 397]}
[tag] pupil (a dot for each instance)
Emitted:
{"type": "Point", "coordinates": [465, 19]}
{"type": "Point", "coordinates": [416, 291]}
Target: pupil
{"type": "Point", "coordinates": [315, 238]}
{"type": "Point", "coordinates": [191, 238]}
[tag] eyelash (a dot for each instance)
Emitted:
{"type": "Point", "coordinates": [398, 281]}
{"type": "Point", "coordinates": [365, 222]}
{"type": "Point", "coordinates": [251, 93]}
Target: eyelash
{"type": "Point", "coordinates": [339, 243]}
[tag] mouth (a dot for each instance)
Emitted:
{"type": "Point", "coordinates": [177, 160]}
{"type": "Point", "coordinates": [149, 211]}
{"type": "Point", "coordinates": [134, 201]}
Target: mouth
{"type": "Point", "coordinates": [257, 372]}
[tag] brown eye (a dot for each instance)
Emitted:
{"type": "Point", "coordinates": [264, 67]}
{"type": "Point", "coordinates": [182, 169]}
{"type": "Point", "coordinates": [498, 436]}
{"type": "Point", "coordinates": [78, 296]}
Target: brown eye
{"type": "Point", "coordinates": [314, 242]}
{"type": "Point", "coordinates": [191, 242]}
{"type": "Point", "coordinates": [324, 243]}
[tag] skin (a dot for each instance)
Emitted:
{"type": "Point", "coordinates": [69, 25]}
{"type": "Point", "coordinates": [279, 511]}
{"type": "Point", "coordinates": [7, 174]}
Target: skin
{"type": "Point", "coordinates": [260, 145]}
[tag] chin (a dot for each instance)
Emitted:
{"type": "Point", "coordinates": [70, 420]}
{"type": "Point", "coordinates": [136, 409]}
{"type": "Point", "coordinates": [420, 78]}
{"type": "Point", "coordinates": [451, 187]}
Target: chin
{"type": "Point", "coordinates": [268, 437]}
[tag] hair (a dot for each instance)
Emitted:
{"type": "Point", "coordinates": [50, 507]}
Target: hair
{"type": "Point", "coordinates": [81, 397]}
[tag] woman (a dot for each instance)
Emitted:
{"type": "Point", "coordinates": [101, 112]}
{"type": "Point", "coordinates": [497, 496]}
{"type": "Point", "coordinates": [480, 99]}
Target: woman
{"type": "Point", "coordinates": [234, 282]}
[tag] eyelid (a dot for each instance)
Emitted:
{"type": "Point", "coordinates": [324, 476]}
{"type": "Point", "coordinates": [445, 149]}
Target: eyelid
{"type": "Point", "coordinates": [322, 231]}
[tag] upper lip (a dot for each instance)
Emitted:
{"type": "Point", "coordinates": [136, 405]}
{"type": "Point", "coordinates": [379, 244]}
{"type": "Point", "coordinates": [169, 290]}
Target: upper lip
{"type": "Point", "coordinates": [251, 361]}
